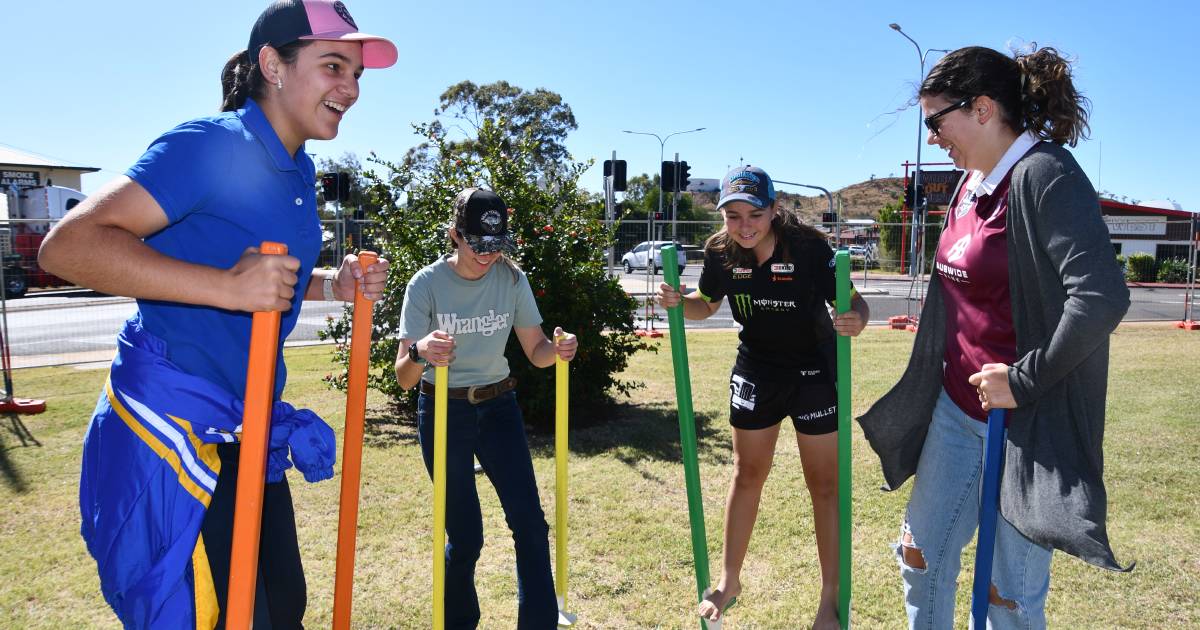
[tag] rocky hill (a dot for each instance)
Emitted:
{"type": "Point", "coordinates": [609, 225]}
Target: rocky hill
{"type": "Point", "coordinates": [857, 201]}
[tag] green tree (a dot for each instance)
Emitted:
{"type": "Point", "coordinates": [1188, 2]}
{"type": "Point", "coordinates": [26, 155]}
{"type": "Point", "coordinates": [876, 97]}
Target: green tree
{"type": "Point", "coordinates": [540, 115]}
{"type": "Point", "coordinates": [560, 247]}
{"type": "Point", "coordinates": [889, 236]}
{"type": "Point", "coordinates": [893, 238]}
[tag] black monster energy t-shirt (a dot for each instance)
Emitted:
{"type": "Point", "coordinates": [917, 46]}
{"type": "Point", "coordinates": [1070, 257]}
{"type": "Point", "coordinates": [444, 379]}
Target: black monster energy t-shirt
{"type": "Point", "coordinates": [780, 305]}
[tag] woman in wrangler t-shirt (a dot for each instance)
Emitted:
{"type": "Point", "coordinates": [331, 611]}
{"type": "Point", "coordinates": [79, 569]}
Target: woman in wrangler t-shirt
{"type": "Point", "coordinates": [459, 312]}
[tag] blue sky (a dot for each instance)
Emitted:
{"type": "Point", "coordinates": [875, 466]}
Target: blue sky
{"type": "Point", "coordinates": [808, 91]}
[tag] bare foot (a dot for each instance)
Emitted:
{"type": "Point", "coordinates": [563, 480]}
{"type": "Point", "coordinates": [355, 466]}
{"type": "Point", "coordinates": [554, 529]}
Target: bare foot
{"type": "Point", "coordinates": [827, 618]}
{"type": "Point", "coordinates": [716, 602]}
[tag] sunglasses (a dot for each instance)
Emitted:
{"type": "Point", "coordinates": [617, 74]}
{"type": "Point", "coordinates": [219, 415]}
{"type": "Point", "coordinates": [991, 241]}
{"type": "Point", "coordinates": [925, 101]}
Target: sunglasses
{"type": "Point", "coordinates": [931, 122]}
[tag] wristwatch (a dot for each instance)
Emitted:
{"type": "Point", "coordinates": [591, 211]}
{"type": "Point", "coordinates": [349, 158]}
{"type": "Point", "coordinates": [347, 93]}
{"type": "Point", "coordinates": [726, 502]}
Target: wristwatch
{"type": "Point", "coordinates": [327, 289]}
{"type": "Point", "coordinates": [413, 355]}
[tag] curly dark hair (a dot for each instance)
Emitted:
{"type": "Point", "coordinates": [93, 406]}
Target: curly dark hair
{"type": "Point", "coordinates": [1033, 89]}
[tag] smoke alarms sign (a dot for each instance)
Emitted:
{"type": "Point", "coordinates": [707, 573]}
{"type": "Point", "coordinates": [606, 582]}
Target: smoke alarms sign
{"type": "Point", "coordinates": [20, 179]}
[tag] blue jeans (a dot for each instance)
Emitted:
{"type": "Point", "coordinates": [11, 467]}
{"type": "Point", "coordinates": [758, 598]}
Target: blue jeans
{"type": "Point", "coordinates": [494, 432]}
{"type": "Point", "coordinates": [942, 516]}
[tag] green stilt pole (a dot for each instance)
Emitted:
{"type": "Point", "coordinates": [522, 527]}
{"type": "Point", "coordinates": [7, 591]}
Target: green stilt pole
{"type": "Point", "coordinates": [687, 429]}
{"type": "Point", "coordinates": [842, 271]}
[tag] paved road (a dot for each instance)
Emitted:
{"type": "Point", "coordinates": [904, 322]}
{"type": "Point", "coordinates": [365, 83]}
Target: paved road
{"type": "Point", "coordinates": [48, 328]}
{"type": "Point", "coordinates": [79, 326]}
{"type": "Point", "coordinates": [892, 295]}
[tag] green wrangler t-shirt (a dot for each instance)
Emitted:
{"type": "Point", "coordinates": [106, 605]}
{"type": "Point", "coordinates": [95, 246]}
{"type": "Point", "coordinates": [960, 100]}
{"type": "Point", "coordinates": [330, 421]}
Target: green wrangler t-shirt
{"type": "Point", "coordinates": [478, 313]}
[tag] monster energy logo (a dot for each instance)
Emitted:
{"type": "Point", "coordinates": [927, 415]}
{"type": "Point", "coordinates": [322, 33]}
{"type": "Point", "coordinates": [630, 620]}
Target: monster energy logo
{"type": "Point", "coordinates": [742, 302]}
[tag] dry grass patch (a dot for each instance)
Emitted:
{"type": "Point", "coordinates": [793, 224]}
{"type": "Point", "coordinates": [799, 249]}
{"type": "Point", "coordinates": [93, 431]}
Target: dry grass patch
{"type": "Point", "coordinates": [631, 561]}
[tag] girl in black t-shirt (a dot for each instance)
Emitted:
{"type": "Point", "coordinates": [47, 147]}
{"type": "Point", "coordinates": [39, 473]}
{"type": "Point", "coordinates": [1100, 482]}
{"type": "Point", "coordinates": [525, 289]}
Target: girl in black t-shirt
{"type": "Point", "coordinates": [778, 275]}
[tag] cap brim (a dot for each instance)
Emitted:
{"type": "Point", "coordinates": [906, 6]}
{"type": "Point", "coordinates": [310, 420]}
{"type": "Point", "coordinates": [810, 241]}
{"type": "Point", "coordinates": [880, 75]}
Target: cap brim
{"type": "Point", "coordinates": [753, 200]}
{"type": "Point", "coordinates": [489, 244]}
{"type": "Point", "coordinates": [378, 52]}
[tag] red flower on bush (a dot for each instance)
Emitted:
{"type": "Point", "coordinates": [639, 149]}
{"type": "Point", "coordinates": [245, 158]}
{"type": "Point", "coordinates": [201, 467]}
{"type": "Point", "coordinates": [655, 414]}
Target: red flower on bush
{"type": "Point", "coordinates": [540, 293]}
{"type": "Point", "coordinates": [548, 228]}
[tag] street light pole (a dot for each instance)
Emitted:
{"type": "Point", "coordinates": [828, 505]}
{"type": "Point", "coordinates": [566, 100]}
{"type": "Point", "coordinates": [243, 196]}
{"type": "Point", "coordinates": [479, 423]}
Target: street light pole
{"type": "Point", "coordinates": [662, 143]}
{"type": "Point", "coordinates": [917, 262]}
{"type": "Point", "coordinates": [837, 219]}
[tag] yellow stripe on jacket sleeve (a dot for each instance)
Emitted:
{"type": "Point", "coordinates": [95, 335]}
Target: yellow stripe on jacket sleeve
{"type": "Point", "coordinates": [205, 451]}
{"type": "Point", "coordinates": [204, 590]}
{"type": "Point", "coordinates": [168, 455]}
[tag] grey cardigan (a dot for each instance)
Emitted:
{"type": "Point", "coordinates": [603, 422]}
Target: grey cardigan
{"type": "Point", "coordinates": [1068, 294]}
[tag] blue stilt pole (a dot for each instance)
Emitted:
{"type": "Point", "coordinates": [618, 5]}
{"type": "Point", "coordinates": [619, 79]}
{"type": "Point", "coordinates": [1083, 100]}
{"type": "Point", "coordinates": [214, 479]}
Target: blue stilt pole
{"type": "Point", "coordinates": [989, 511]}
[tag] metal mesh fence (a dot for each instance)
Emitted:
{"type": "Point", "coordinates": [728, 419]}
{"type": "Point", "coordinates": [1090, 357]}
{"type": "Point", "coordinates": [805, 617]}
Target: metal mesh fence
{"type": "Point", "coordinates": [46, 322]}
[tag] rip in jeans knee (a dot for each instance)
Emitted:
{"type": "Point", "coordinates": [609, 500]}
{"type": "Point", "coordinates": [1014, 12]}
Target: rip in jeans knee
{"type": "Point", "coordinates": [907, 551]}
{"type": "Point", "coordinates": [994, 599]}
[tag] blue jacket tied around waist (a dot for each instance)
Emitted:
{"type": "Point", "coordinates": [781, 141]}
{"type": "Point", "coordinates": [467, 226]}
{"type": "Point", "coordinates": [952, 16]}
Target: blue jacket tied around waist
{"type": "Point", "coordinates": [150, 467]}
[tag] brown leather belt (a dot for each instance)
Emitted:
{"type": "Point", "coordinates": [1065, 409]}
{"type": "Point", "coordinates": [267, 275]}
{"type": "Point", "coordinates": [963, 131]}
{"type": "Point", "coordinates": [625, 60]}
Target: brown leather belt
{"type": "Point", "coordinates": [474, 394]}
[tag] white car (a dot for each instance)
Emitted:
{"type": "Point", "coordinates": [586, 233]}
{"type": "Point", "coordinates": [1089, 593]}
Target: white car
{"type": "Point", "coordinates": [636, 258]}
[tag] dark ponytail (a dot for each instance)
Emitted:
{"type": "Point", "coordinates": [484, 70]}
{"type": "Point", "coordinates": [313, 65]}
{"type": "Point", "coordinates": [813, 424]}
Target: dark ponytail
{"type": "Point", "coordinates": [1034, 90]}
{"type": "Point", "coordinates": [236, 81]}
{"type": "Point", "coordinates": [1051, 106]}
{"type": "Point", "coordinates": [241, 77]}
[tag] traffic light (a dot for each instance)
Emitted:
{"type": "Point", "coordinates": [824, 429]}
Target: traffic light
{"type": "Point", "coordinates": [336, 186]}
{"type": "Point", "coordinates": [618, 174]}
{"type": "Point", "coordinates": [909, 201]}
{"type": "Point", "coordinates": [828, 217]}
{"type": "Point", "coordinates": [682, 175]}
{"type": "Point", "coordinates": [658, 216]}
{"type": "Point", "coordinates": [668, 177]}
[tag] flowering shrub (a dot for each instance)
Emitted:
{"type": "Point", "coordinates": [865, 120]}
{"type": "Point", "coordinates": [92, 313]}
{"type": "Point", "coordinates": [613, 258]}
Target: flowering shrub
{"type": "Point", "coordinates": [559, 247]}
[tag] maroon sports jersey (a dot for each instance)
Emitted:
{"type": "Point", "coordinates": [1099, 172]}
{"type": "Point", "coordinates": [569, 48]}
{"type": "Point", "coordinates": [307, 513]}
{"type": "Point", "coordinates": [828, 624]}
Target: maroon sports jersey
{"type": "Point", "coordinates": [972, 261]}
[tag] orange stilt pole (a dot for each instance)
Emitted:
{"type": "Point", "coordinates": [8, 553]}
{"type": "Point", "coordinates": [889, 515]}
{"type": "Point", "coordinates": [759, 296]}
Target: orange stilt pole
{"type": "Point", "coordinates": [356, 407]}
{"type": "Point", "coordinates": [252, 462]}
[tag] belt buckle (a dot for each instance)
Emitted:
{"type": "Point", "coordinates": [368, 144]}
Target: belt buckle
{"type": "Point", "coordinates": [471, 394]}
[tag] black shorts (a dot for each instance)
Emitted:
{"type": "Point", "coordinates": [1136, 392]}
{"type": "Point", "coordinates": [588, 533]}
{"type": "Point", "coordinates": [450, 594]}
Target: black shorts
{"type": "Point", "coordinates": [810, 399]}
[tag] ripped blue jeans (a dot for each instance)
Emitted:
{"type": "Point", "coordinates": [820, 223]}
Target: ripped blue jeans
{"type": "Point", "coordinates": [942, 517]}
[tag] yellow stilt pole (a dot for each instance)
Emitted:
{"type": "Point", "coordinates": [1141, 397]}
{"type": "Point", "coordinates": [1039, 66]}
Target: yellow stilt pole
{"type": "Point", "coordinates": [439, 498]}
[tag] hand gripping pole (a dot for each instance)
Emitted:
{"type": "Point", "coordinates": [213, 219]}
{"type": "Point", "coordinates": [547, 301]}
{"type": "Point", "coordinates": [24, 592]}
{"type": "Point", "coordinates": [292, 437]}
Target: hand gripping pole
{"type": "Point", "coordinates": [845, 525]}
{"type": "Point", "coordinates": [356, 406]}
{"type": "Point", "coordinates": [562, 375]}
{"type": "Point", "coordinates": [687, 433]}
{"type": "Point", "coordinates": [439, 496]}
{"type": "Point", "coordinates": [989, 509]}
{"type": "Point", "coordinates": [252, 461]}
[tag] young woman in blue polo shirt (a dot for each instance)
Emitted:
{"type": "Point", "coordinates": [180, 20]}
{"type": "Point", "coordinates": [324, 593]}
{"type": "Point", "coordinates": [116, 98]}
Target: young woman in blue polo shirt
{"type": "Point", "coordinates": [459, 312]}
{"type": "Point", "coordinates": [778, 275]}
{"type": "Point", "coordinates": [179, 232]}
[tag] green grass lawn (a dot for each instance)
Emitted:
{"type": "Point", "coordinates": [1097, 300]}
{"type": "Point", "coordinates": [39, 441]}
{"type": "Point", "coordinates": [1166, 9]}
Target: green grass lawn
{"type": "Point", "coordinates": [630, 553]}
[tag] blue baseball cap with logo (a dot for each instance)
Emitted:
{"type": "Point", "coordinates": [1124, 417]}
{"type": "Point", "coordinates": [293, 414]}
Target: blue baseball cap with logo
{"type": "Point", "coordinates": [747, 183]}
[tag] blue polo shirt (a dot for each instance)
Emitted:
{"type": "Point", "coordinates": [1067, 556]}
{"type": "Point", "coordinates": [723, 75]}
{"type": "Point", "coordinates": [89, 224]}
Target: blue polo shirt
{"type": "Point", "coordinates": [226, 183]}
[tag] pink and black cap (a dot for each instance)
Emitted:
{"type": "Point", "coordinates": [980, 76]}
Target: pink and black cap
{"type": "Point", "coordinates": [286, 21]}
{"type": "Point", "coordinates": [747, 183]}
{"type": "Point", "coordinates": [481, 218]}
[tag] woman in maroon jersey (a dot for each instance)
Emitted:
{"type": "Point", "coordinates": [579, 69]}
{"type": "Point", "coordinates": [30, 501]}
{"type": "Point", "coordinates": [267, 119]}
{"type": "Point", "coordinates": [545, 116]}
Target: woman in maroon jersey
{"type": "Point", "coordinates": [1024, 293]}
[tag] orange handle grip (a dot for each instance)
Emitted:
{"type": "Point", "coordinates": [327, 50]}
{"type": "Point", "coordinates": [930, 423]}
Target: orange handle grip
{"type": "Point", "coordinates": [356, 405]}
{"type": "Point", "coordinates": [252, 461]}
